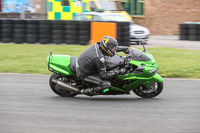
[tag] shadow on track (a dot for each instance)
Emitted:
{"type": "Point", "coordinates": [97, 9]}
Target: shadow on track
{"type": "Point", "coordinates": [106, 99]}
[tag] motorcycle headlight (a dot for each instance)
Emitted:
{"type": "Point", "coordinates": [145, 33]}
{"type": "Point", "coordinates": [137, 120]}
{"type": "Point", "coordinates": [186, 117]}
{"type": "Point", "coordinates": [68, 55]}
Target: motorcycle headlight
{"type": "Point", "coordinates": [153, 71]}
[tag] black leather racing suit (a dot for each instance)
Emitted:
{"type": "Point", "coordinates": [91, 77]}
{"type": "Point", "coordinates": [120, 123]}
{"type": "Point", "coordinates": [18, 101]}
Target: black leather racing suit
{"type": "Point", "coordinates": [91, 67]}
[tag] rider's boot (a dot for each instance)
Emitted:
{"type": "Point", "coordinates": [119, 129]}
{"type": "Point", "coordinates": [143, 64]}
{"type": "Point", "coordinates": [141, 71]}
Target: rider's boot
{"type": "Point", "coordinates": [92, 91]}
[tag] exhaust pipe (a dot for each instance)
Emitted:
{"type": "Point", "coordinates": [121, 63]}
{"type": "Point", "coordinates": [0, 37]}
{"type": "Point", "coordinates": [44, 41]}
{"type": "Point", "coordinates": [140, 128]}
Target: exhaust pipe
{"type": "Point", "coordinates": [65, 86]}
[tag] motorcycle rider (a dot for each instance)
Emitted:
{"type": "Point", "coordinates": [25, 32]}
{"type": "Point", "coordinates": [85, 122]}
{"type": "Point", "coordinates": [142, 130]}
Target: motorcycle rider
{"type": "Point", "coordinates": [91, 65]}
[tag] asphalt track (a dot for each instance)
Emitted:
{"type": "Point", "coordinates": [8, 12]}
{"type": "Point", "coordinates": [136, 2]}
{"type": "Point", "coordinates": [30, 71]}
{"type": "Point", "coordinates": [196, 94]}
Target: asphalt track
{"type": "Point", "coordinates": [171, 41]}
{"type": "Point", "coordinates": [27, 105]}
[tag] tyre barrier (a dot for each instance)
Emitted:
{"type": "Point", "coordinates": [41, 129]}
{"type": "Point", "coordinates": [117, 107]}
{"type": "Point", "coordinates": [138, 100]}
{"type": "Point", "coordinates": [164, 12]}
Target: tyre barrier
{"type": "Point", "coordinates": [71, 32]}
{"type": "Point", "coordinates": [84, 28]}
{"type": "Point", "coordinates": [56, 32]}
{"type": "Point", "coordinates": [32, 33]}
{"type": "Point", "coordinates": [123, 33]}
{"type": "Point", "coordinates": [44, 32]}
{"type": "Point", "coordinates": [190, 31]}
{"type": "Point", "coordinates": [6, 31]}
{"type": "Point", "coordinates": [19, 31]}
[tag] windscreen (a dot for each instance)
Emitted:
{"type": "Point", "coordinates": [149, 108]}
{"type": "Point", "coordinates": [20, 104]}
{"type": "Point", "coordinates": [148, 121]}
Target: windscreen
{"type": "Point", "coordinates": [138, 55]}
{"type": "Point", "coordinates": [111, 5]}
{"type": "Point", "coordinates": [83, 17]}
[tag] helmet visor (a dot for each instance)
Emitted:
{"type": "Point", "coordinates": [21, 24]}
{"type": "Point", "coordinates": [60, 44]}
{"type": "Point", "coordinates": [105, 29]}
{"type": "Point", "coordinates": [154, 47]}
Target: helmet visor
{"type": "Point", "coordinates": [112, 48]}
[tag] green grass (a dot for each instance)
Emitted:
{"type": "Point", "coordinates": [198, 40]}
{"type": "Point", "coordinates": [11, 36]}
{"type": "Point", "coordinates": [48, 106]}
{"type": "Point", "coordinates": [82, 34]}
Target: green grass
{"type": "Point", "coordinates": [31, 59]}
{"type": "Point", "coordinates": [17, 58]}
{"type": "Point", "coordinates": [178, 63]}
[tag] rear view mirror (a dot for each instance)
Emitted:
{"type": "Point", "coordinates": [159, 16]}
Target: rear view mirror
{"type": "Point", "coordinates": [143, 42]}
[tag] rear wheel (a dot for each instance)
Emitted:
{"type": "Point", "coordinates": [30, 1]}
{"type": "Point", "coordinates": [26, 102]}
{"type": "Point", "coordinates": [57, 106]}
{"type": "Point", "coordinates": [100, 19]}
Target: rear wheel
{"type": "Point", "coordinates": [149, 89]}
{"type": "Point", "coordinates": [59, 91]}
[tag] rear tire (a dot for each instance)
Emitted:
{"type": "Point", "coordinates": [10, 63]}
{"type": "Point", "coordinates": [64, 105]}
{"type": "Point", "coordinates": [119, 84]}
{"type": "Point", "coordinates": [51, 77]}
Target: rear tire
{"type": "Point", "coordinates": [149, 92]}
{"type": "Point", "coordinates": [59, 91]}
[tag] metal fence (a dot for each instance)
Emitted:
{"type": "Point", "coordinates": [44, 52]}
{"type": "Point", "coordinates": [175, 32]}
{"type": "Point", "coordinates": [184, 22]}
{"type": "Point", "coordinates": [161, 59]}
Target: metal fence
{"type": "Point", "coordinates": [26, 16]}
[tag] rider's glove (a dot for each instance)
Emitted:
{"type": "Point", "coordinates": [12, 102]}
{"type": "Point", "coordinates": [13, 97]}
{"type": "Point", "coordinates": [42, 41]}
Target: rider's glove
{"type": "Point", "coordinates": [126, 51]}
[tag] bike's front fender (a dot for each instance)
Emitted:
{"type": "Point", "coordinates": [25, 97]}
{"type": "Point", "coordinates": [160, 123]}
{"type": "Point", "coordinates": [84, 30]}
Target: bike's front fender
{"type": "Point", "coordinates": [157, 78]}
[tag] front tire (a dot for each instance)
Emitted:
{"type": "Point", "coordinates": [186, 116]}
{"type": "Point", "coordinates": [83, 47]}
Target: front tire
{"type": "Point", "coordinates": [59, 91]}
{"type": "Point", "coordinates": [154, 89]}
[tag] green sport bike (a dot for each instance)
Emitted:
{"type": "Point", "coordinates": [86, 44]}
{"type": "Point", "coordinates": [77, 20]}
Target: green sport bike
{"type": "Point", "coordinates": [141, 75]}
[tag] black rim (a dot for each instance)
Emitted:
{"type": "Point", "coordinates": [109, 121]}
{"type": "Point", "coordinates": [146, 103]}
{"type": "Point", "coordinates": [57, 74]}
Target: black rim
{"type": "Point", "coordinates": [149, 91]}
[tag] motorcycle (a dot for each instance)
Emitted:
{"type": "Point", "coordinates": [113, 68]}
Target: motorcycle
{"type": "Point", "coordinates": [141, 75]}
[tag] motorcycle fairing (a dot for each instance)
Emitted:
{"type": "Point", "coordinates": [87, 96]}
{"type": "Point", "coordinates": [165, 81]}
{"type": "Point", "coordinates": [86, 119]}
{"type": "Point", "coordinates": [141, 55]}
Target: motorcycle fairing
{"type": "Point", "coordinates": [138, 81]}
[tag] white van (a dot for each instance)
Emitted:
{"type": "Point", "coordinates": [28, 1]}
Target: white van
{"type": "Point", "coordinates": [113, 6]}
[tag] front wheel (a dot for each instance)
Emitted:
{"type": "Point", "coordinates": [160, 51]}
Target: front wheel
{"type": "Point", "coordinates": [149, 89]}
{"type": "Point", "coordinates": [59, 91]}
